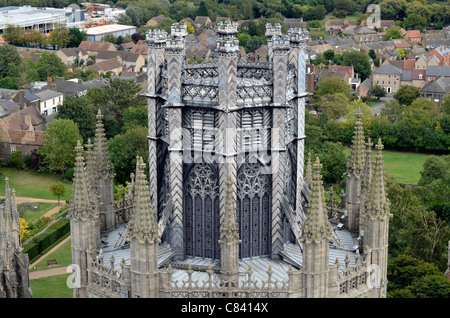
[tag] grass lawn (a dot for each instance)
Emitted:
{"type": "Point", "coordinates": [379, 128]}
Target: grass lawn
{"type": "Point", "coordinates": [31, 215]}
{"type": "Point", "coordinates": [51, 287]}
{"type": "Point", "coordinates": [401, 167]}
{"type": "Point", "coordinates": [63, 256]}
{"type": "Point", "coordinates": [31, 184]}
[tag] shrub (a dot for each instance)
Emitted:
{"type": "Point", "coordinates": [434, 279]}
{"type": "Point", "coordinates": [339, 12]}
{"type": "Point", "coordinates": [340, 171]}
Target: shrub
{"type": "Point", "coordinates": [16, 160]}
{"type": "Point", "coordinates": [43, 241]}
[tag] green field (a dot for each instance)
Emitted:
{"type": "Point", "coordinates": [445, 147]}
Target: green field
{"type": "Point", "coordinates": [31, 184]}
{"type": "Point", "coordinates": [401, 167]}
{"type": "Point", "coordinates": [63, 256]}
{"type": "Point", "coordinates": [51, 287]}
{"type": "Point", "coordinates": [30, 215]}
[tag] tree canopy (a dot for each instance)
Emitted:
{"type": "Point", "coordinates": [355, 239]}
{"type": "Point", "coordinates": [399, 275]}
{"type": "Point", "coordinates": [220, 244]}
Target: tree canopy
{"type": "Point", "coordinates": [58, 150]}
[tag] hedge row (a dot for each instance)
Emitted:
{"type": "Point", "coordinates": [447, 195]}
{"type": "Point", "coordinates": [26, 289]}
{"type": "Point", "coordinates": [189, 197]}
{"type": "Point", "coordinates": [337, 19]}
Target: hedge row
{"type": "Point", "coordinates": [42, 242]}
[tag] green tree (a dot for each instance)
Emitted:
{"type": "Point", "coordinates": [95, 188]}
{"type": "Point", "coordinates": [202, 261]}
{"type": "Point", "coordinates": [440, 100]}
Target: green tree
{"type": "Point", "coordinates": [203, 9]}
{"type": "Point", "coordinates": [360, 62]}
{"type": "Point", "coordinates": [343, 8]}
{"type": "Point", "coordinates": [377, 91]}
{"type": "Point", "coordinates": [317, 12]}
{"type": "Point", "coordinates": [14, 34]}
{"type": "Point", "coordinates": [445, 106]}
{"type": "Point", "coordinates": [406, 94]}
{"type": "Point", "coordinates": [330, 85]}
{"type": "Point", "coordinates": [333, 161]}
{"type": "Point", "coordinates": [415, 21]}
{"type": "Point", "coordinates": [334, 105]}
{"type": "Point", "coordinates": [58, 190]}
{"type": "Point", "coordinates": [328, 55]}
{"type": "Point", "coordinates": [407, 273]}
{"type": "Point", "coordinates": [136, 15]}
{"type": "Point", "coordinates": [8, 54]}
{"type": "Point", "coordinates": [124, 19]}
{"type": "Point", "coordinates": [392, 110]}
{"type": "Point", "coordinates": [393, 9]}
{"type": "Point", "coordinates": [419, 8]}
{"type": "Point", "coordinates": [76, 37]}
{"type": "Point", "coordinates": [117, 96]}
{"type": "Point", "coordinates": [60, 37]}
{"type": "Point", "coordinates": [49, 64]}
{"type": "Point", "coordinates": [134, 116]}
{"type": "Point", "coordinates": [82, 112]}
{"type": "Point", "coordinates": [124, 148]}
{"type": "Point", "coordinates": [34, 37]}
{"type": "Point", "coordinates": [58, 149]}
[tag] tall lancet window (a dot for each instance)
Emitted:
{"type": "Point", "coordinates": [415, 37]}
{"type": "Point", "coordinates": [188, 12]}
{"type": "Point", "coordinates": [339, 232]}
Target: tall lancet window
{"type": "Point", "coordinates": [253, 210]}
{"type": "Point", "coordinates": [201, 212]}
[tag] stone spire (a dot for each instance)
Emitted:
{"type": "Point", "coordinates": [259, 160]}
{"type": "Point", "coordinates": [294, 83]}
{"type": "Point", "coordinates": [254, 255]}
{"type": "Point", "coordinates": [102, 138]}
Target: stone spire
{"type": "Point", "coordinates": [316, 236]}
{"type": "Point", "coordinates": [316, 227]}
{"type": "Point", "coordinates": [81, 205]}
{"type": "Point", "coordinates": [101, 172]}
{"type": "Point", "coordinates": [358, 151]}
{"type": "Point", "coordinates": [142, 226]}
{"type": "Point", "coordinates": [354, 175]}
{"type": "Point", "coordinates": [377, 204]}
{"type": "Point", "coordinates": [103, 163]}
{"type": "Point", "coordinates": [376, 227]}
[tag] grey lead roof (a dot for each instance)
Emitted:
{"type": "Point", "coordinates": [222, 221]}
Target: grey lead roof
{"type": "Point", "coordinates": [115, 245]}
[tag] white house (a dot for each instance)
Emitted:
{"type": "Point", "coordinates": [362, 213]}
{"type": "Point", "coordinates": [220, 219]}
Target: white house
{"type": "Point", "coordinates": [50, 101]}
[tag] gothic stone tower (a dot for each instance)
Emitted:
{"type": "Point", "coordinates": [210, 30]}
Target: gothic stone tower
{"type": "Point", "coordinates": [14, 272]}
{"type": "Point", "coordinates": [225, 118]}
{"type": "Point", "coordinates": [226, 188]}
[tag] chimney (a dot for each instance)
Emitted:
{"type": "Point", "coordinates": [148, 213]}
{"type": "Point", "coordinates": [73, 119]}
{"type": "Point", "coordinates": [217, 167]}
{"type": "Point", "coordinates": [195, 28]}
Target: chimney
{"type": "Point", "coordinates": [49, 79]}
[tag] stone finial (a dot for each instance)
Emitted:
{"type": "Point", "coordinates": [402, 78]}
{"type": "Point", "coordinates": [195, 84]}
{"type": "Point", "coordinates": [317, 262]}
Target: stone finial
{"type": "Point", "coordinates": [377, 204]}
{"type": "Point", "coordinates": [103, 164]}
{"type": "Point", "coordinates": [316, 227]}
{"type": "Point", "coordinates": [156, 38]}
{"type": "Point", "coordinates": [99, 116]}
{"type": "Point", "coordinates": [227, 42]}
{"type": "Point", "coordinates": [230, 230]}
{"type": "Point", "coordinates": [358, 151]}
{"type": "Point", "coordinates": [142, 226]}
{"type": "Point", "coordinates": [81, 207]}
{"type": "Point", "coordinates": [272, 30]}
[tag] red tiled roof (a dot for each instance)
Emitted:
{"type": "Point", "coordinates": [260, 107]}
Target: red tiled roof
{"type": "Point", "coordinates": [413, 34]}
{"type": "Point", "coordinates": [409, 64]}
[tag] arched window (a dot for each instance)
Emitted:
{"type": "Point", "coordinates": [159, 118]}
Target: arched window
{"type": "Point", "coordinates": [201, 212]}
{"type": "Point", "coordinates": [253, 210]}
